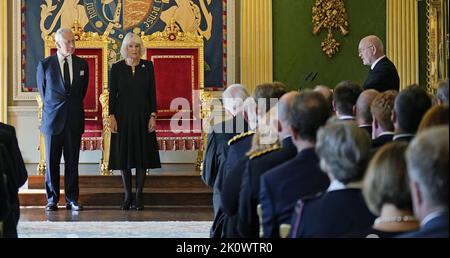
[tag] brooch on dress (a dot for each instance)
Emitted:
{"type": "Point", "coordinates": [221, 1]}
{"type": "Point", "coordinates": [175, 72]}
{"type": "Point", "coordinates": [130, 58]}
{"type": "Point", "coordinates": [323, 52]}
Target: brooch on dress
{"type": "Point", "coordinates": [143, 65]}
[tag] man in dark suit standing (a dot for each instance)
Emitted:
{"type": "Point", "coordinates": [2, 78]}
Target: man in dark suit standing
{"type": "Point", "coordinates": [383, 75]}
{"type": "Point", "coordinates": [62, 81]}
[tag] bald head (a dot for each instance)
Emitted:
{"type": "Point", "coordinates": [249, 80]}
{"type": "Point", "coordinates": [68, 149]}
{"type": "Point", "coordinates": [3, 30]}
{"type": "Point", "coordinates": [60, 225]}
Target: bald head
{"type": "Point", "coordinates": [370, 49]}
{"type": "Point", "coordinates": [285, 104]}
{"type": "Point", "coordinates": [327, 93]}
{"type": "Point", "coordinates": [363, 115]}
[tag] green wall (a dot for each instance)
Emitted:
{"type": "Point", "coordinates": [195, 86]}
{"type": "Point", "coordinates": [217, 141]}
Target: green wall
{"type": "Point", "coordinates": [297, 51]}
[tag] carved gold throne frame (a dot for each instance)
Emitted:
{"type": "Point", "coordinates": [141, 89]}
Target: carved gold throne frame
{"type": "Point", "coordinates": [183, 55]}
{"type": "Point", "coordinates": [94, 48]}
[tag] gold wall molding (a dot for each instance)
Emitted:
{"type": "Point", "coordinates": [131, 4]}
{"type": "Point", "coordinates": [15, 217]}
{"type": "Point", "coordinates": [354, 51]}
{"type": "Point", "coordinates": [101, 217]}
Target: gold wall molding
{"type": "Point", "coordinates": [403, 39]}
{"type": "Point", "coordinates": [437, 42]}
{"type": "Point", "coordinates": [256, 43]}
{"type": "Point", "coordinates": [3, 61]}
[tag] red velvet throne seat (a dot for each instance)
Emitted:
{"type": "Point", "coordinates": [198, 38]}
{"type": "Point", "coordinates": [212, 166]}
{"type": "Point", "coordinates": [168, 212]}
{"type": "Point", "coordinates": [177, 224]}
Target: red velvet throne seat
{"type": "Point", "coordinates": [178, 62]}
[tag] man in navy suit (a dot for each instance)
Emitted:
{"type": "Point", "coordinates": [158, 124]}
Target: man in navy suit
{"type": "Point", "coordinates": [383, 75]}
{"type": "Point", "coordinates": [427, 161]}
{"type": "Point", "coordinates": [62, 81]}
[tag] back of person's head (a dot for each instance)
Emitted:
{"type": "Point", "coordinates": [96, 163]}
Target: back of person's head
{"type": "Point", "coordinates": [410, 106]}
{"type": "Point", "coordinates": [345, 95]}
{"type": "Point", "coordinates": [233, 98]}
{"type": "Point", "coordinates": [285, 104]}
{"type": "Point", "coordinates": [442, 92]}
{"type": "Point", "coordinates": [381, 109]}
{"type": "Point", "coordinates": [308, 113]}
{"type": "Point", "coordinates": [267, 91]}
{"type": "Point", "coordinates": [386, 180]}
{"type": "Point", "coordinates": [427, 162]}
{"type": "Point", "coordinates": [343, 149]}
{"type": "Point", "coordinates": [437, 115]}
{"type": "Point", "coordinates": [363, 106]}
{"type": "Point", "coordinates": [266, 135]}
{"type": "Point", "coordinates": [327, 93]}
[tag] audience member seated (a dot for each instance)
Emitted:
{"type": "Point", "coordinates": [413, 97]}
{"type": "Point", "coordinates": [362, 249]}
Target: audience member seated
{"type": "Point", "coordinates": [238, 157]}
{"type": "Point", "coordinates": [437, 115]}
{"type": "Point", "coordinates": [363, 116]}
{"type": "Point", "coordinates": [345, 95]}
{"type": "Point", "coordinates": [409, 108]}
{"type": "Point", "coordinates": [387, 194]}
{"type": "Point", "coordinates": [217, 143]}
{"type": "Point", "coordinates": [265, 153]}
{"type": "Point", "coordinates": [343, 149]}
{"type": "Point", "coordinates": [328, 94]}
{"type": "Point", "coordinates": [13, 169]}
{"type": "Point", "coordinates": [442, 92]}
{"type": "Point", "coordinates": [382, 127]}
{"type": "Point", "coordinates": [427, 162]}
{"type": "Point", "coordinates": [300, 176]}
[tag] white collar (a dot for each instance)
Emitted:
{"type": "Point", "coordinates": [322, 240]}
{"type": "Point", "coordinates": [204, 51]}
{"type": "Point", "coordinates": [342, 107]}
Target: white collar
{"type": "Point", "coordinates": [61, 58]}
{"type": "Point", "coordinates": [396, 136]}
{"type": "Point", "coordinates": [337, 185]}
{"type": "Point", "coordinates": [386, 133]}
{"type": "Point", "coordinates": [346, 117]}
{"type": "Point", "coordinates": [376, 61]}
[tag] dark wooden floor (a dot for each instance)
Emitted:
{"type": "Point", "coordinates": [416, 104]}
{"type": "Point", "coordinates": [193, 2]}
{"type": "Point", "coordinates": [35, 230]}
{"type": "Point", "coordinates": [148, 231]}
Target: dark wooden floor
{"type": "Point", "coordinates": [173, 193]}
{"type": "Point", "coordinates": [113, 213]}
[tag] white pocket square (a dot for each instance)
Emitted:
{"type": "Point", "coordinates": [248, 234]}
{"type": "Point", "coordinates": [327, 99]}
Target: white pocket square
{"type": "Point", "coordinates": [82, 73]}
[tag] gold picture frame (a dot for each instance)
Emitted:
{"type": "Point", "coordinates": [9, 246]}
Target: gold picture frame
{"type": "Point", "coordinates": [437, 42]}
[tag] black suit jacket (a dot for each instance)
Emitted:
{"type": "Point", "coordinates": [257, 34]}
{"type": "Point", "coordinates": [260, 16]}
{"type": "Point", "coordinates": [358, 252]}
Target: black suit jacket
{"type": "Point", "coordinates": [435, 228]}
{"type": "Point", "coordinates": [283, 185]}
{"type": "Point", "coordinates": [248, 224]}
{"type": "Point", "coordinates": [334, 214]}
{"type": "Point", "coordinates": [61, 106]}
{"type": "Point", "coordinates": [383, 77]}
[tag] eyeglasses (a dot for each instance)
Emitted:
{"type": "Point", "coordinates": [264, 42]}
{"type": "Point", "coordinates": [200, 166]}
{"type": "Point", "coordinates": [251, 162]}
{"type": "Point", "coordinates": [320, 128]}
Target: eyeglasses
{"type": "Point", "coordinates": [361, 50]}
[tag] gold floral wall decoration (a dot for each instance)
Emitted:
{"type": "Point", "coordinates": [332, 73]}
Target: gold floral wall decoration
{"type": "Point", "coordinates": [329, 15]}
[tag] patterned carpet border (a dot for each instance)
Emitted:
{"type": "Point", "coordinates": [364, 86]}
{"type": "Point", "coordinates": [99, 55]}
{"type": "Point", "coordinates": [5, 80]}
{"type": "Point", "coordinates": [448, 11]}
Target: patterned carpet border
{"type": "Point", "coordinates": [116, 229]}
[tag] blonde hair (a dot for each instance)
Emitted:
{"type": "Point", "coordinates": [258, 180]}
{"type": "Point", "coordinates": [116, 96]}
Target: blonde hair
{"type": "Point", "coordinates": [131, 38]}
{"type": "Point", "coordinates": [266, 135]}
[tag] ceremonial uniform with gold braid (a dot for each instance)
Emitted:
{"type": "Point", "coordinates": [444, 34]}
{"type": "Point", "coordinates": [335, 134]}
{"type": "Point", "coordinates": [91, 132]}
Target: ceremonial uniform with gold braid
{"type": "Point", "coordinates": [258, 164]}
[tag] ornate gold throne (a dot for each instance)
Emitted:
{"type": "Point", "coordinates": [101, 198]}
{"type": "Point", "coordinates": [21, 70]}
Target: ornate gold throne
{"type": "Point", "coordinates": [94, 49]}
{"type": "Point", "coordinates": [178, 61]}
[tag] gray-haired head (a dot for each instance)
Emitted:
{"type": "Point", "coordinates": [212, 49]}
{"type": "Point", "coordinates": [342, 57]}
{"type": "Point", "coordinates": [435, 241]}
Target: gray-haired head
{"type": "Point", "coordinates": [234, 97]}
{"type": "Point", "coordinates": [60, 33]}
{"type": "Point", "coordinates": [427, 161]}
{"type": "Point", "coordinates": [129, 39]}
{"type": "Point", "coordinates": [343, 149]}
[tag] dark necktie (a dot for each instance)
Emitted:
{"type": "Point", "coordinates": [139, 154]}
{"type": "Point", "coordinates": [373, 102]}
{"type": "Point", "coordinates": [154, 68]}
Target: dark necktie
{"type": "Point", "coordinates": [66, 75]}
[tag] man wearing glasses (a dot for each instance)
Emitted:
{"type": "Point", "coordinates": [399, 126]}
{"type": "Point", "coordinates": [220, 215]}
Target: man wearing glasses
{"type": "Point", "coordinates": [383, 75]}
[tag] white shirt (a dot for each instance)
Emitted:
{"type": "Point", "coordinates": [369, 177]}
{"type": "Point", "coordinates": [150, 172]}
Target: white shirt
{"type": "Point", "coordinates": [61, 65]}
{"type": "Point", "coordinates": [376, 61]}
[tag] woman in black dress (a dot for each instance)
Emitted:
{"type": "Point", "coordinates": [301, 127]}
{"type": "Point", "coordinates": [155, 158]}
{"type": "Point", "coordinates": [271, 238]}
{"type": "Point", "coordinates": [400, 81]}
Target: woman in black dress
{"type": "Point", "coordinates": [132, 109]}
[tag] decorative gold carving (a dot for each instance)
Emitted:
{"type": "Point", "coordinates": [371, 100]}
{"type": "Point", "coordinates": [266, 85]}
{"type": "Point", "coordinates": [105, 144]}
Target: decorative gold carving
{"type": "Point", "coordinates": [173, 38]}
{"type": "Point", "coordinates": [106, 135]}
{"type": "Point", "coordinates": [172, 32]}
{"type": "Point", "coordinates": [437, 43]}
{"type": "Point", "coordinates": [41, 166]}
{"type": "Point", "coordinates": [330, 14]}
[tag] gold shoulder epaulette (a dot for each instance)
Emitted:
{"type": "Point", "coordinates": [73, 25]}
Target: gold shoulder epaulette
{"type": "Point", "coordinates": [240, 136]}
{"type": "Point", "coordinates": [264, 152]}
